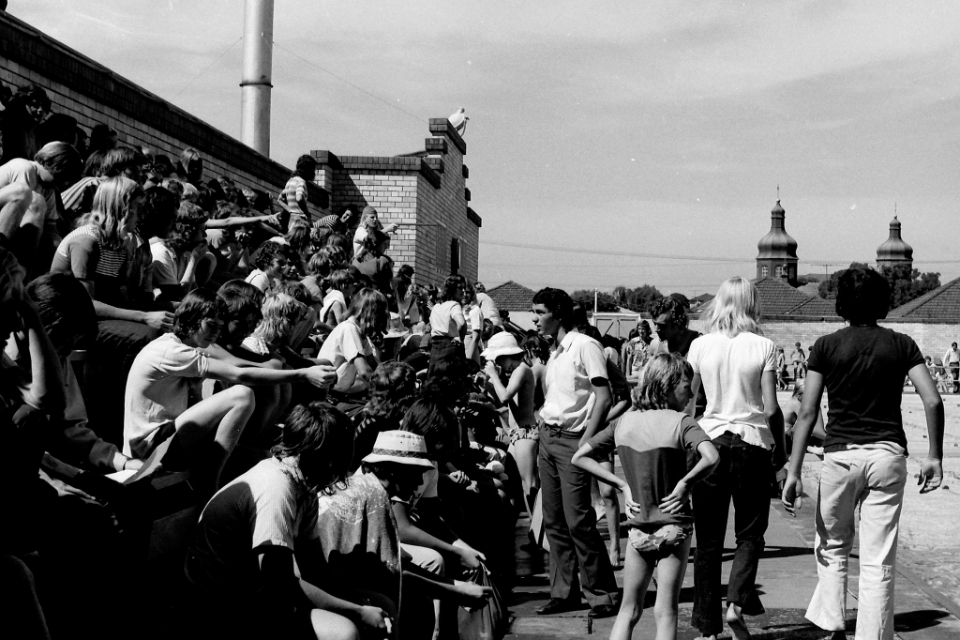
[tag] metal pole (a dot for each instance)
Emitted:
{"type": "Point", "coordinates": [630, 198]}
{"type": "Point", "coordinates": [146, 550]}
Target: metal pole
{"type": "Point", "coordinates": [255, 84]}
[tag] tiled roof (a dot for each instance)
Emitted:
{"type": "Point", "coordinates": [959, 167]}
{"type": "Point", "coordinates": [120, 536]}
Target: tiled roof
{"type": "Point", "coordinates": [511, 296]}
{"type": "Point", "coordinates": [778, 298]}
{"type": "Point", "coordinates": [943, 303]}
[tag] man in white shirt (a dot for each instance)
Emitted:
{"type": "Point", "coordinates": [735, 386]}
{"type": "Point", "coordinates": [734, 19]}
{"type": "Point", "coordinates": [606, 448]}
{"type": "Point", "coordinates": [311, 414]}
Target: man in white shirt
{"type": "Point", "coordinates": [951, 360]}
{"type": "Point", "coordinates": [575, 371]}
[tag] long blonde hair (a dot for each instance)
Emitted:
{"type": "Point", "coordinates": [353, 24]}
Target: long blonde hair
{"type": "Point", "coordinates": [110, 204]}
{"type": "Point", "coordinates": [735, 309]}
{"type": "Point", "coordinates": [281, 313]}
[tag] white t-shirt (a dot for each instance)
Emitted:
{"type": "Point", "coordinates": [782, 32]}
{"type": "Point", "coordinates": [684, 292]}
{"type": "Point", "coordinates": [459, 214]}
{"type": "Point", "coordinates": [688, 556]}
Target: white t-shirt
{"type": "Point", "coordinates": [259, 279]}
{"type": "Point", "coordinates": [487, 306]}
{"type": "Point", "coordinates": [25, 172]}
{"type": "Point", "coordinates": [344, 344]}
{"type": "Point", "coordinates": [165, 268]}
{"type": "Point", "coordinates": [730, 370]}
{"type": "Point", "coordinates": [446, 319]}
{"type": "Point", "coordinates": [158, 390]}
{"type": "Point", "coordinates": [263, 507]}
{"type": "Point", "coordinates": [329, 299]}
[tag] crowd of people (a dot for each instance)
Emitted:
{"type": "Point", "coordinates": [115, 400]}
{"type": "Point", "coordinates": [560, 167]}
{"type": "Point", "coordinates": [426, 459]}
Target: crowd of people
{"type": "Point", "coordinates": [361, 446]}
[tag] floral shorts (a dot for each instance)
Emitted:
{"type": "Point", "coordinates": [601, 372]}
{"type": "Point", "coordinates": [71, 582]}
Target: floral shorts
{"type": "Point", "coordinates": [661, 542]}
{"type": "Point", "coordinates": [526, 432]}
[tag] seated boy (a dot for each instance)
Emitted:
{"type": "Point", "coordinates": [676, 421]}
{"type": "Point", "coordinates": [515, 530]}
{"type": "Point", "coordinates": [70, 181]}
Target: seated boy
{"type": "Point", "coordinates": [158, 389]}
{"type": "Point", "coordinates": [240, 562]}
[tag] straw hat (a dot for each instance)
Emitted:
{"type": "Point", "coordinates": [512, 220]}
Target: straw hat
{"type": "Point", "coordinates": [401, 447]}
{"type": "Point", "coordinates": [501, 344]}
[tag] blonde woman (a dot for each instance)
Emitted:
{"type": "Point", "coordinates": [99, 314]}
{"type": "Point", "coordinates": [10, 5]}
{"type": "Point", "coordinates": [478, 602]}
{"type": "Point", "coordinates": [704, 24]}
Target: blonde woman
{"type": "Point", "coordinates": [738, 370]}
{"type": "Point", "coordinates": [281, 314]}
{"type": "Point", "coordinates": [95, 253]}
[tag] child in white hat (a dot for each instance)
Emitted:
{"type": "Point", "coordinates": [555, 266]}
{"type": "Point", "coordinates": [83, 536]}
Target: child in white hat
{"type": "Point", "coordinates": [505, 358]}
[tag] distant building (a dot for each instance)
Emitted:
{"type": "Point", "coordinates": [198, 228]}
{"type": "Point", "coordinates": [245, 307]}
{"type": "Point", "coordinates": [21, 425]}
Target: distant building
{"type": "Point", "coordinates": [777, 257]}
{"type": "Point", "coordinates": [894, 251]}
{"type": "Point", "coordinates": [515, 299]}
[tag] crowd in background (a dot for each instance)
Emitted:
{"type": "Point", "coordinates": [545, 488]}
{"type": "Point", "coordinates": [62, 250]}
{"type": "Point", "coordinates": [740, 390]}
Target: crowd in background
{"type": "Point", "coordinates": [361, 446]}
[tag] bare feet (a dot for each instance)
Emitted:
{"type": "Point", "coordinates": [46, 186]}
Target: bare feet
{"type": "Point", "coordinates": [614, 552]}
{"type": "Point", "coordinates": [735, 621]}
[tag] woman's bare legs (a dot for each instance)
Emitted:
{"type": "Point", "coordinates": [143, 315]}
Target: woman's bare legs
{"type": "Point", "coordinates": [525, 453]}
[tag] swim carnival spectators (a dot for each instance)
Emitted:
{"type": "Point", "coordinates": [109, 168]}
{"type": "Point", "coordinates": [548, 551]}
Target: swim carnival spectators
{"type": "Point", "coordinates": [220, 401]}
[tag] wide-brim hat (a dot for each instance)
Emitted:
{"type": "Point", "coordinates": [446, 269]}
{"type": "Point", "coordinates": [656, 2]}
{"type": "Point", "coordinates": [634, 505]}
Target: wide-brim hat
{"type": "Point", "coordinates": [501, 344]}
{"type": "Point", "coordinates": [400, 447]}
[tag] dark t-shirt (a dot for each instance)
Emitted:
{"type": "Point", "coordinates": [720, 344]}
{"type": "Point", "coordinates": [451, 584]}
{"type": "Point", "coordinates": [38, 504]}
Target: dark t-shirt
{"type": "Point", "coordinates": [653, 448]}
{"type": "Point", "coordinates": [863, 369]}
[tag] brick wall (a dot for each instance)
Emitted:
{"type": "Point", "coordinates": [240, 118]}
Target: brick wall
{"type": "Point", "coordinates": [425, 194]}
{"type": "Point", "coordinates": [93, 94]}
{"type": "Point", "coordinates": [933, 338]}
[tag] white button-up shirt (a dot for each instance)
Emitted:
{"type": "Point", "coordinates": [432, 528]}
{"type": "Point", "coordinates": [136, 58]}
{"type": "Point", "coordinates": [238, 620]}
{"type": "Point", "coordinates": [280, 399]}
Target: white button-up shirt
{"type": "Point", "coordinates": [567, 383]}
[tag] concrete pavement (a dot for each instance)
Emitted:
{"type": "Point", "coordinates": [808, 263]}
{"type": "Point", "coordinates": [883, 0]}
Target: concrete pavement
{"type": "Point", "coordinates": [786, 578]}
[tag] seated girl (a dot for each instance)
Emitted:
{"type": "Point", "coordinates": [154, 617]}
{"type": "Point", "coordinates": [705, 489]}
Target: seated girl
{"type": "Point", "coordinates": [271, 262]}
{"type": "Point", "coordinates": [339, 287]}
{"type": "Point", "coordinates": [281, 314]}
{"type": "Point", "coordinates": [240, 562]}
{"type": "Point", "coordinates": [349, 347]}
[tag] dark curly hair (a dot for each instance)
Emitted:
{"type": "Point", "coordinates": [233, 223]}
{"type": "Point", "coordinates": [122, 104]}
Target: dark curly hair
{"type": "Point", "coordinates": [197, 306]}
{"type": "Point", "coordinates": [673, 306]}
{"type": "Point", "coordinates": [158, 210]}
{"type": "Point", "coordinates": [863, 296]}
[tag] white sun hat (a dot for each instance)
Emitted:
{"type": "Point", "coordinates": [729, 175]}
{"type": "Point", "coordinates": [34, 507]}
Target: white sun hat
{"type": "Point", "coordinates": [501, 344]}
{"type": "Point", "coordinates": [401, 447]}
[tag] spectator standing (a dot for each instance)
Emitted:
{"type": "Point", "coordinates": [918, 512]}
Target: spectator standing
{"type": "Point", "coordinates": [864, 471]}
{"type": "Point", "coordinates": [575, 371]}
{"type": "Point", "coordinates": [295, 195]}
{"type": "Point", "coordinates": [448, 326]}
{"type": "Point", "coordinates": [737, 369]}
{"type": "Point", "coordinates": [951, 360]}
{"type": "Point", "coordinates": [487, 306]}
{"type": "Point", "coordinates": [798, 359]}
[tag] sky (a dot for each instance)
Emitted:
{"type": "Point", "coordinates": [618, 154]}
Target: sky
{"type": "Point", "coordinates": [618, 130]}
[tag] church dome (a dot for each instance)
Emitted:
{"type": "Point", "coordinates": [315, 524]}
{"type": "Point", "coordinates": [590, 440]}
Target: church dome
{"type": "Point", "coordinates": [777, 244]}
{"type": "Point", "coordinates": [894, 250]}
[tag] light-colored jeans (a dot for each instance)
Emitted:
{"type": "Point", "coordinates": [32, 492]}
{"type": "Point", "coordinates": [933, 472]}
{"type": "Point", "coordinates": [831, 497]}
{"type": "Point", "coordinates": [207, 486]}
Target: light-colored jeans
{"type": "Point", "coordinates": [872, 479]}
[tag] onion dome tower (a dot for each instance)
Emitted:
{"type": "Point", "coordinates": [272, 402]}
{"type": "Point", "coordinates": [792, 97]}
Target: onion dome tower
{"type": "Point", "coordinates": [894, 251]}
{"type": "Point", "coordinates": [778, 251]}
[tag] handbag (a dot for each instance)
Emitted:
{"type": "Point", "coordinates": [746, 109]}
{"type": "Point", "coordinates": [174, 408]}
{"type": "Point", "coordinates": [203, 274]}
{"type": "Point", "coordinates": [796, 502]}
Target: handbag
{"type": "Point", "coordinates": [487, 622]}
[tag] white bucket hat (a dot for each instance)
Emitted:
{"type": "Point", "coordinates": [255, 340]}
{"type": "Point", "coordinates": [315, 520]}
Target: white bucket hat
{"type": "Point", "coordinates": [501, 344]}
{"type": "Point", "coordinates": [401, 447]}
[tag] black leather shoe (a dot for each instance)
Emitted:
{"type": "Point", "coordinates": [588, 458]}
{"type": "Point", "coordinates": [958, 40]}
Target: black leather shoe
{"type": "Point", "coordinates": [603, 611]}
{"type": "Point", "coordinates": [558, 605]}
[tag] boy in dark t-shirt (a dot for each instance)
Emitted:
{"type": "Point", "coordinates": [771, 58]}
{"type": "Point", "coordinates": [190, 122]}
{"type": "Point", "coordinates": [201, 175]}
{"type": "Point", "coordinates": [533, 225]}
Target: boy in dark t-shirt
{"type": "Point", "coordinates": [864, 465]}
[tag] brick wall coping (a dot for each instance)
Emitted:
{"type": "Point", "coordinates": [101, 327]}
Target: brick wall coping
{"type": "Point", "coordinates": [474, 218]}
{"type": "Point", "coordinates": [407, 164]}
{"type": "Point", "coordinates": [54, 60]}
{"type": "Point", "coordinates": [442, 126]}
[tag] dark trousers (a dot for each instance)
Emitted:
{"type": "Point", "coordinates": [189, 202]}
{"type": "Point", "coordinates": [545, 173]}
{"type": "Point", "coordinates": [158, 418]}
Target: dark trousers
{"type": "Point", "coordinates": [745, 474]}
{"type": "Point", "coordinates": [955, 374]}
{"type": "Point", "coordinates": [571, 524]}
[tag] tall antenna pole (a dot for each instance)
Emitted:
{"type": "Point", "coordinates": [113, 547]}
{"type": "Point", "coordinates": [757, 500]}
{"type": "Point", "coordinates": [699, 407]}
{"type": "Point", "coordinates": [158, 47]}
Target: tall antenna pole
{"type": "Point", "coordinates": [255, 84]}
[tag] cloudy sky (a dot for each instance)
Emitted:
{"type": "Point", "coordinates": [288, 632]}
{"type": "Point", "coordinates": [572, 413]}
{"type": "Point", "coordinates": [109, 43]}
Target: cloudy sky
{"type": "Point", "coordinates": [620, 130]}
